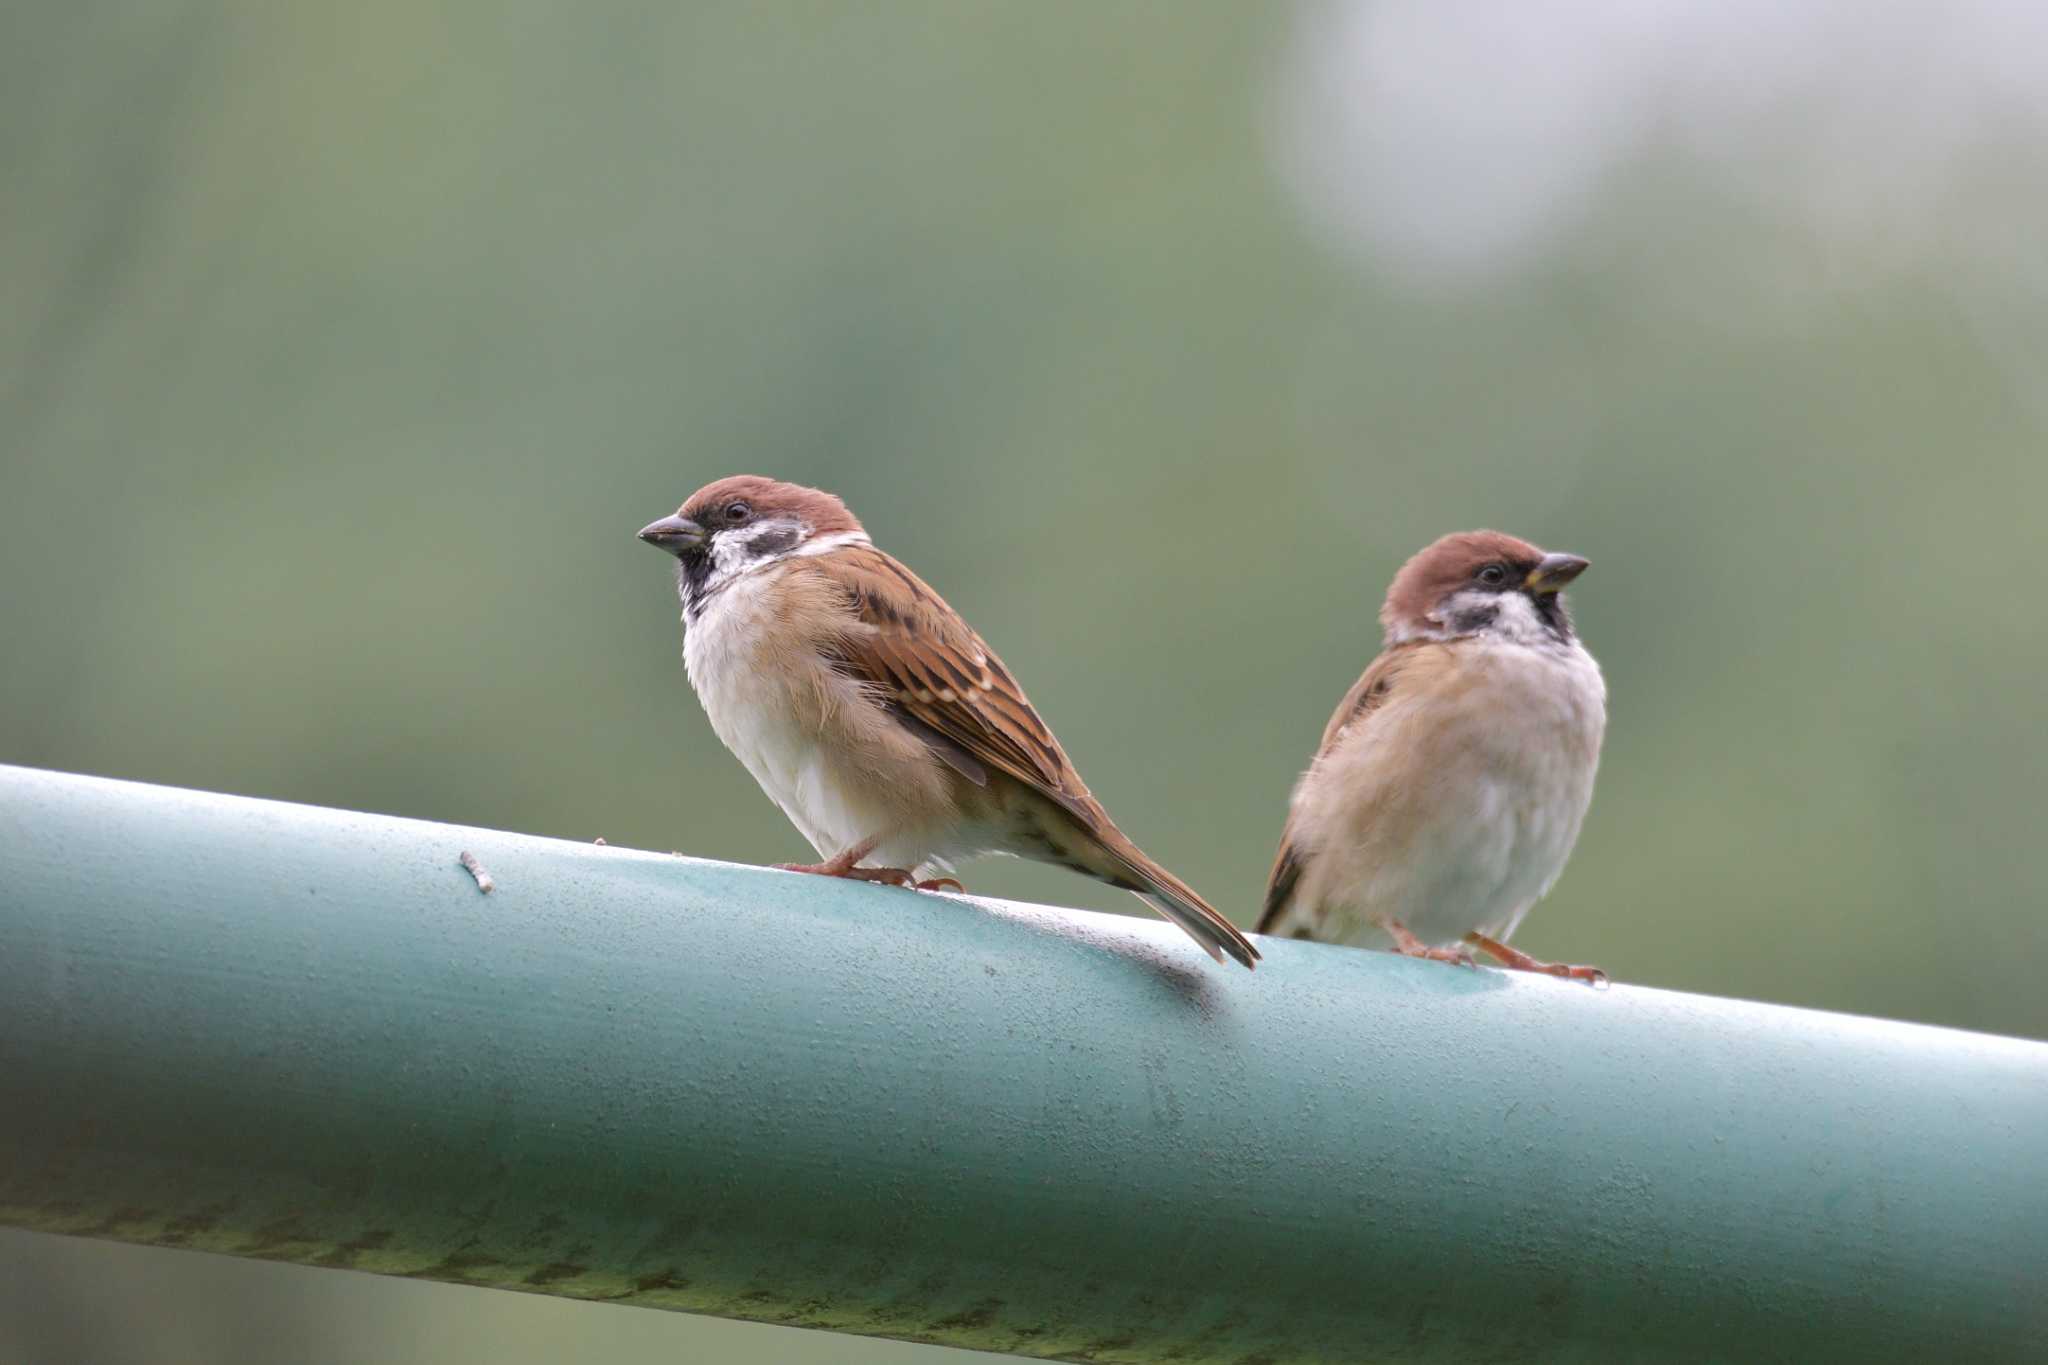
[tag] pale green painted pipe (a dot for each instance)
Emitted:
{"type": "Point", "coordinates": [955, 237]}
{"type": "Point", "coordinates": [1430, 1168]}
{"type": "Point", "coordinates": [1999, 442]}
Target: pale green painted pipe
{"type": "Point", "coordinates": [305, 1035]}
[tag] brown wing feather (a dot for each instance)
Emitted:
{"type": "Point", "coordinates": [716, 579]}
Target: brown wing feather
{"type": "Point", "coordinates": [932, 667]}
{"type": "Point", "coordinates": [1370, 692]}
{"type": "Point", "coordinates": [945, 681]}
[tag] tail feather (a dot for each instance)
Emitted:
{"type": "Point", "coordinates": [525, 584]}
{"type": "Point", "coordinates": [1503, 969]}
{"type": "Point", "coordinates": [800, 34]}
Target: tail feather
{"type": "Point", "coordinates": [1215, 940]}
{"type": "Point", "coordinates": [1176, 900]}
{"type": "Point", "coordinates": [1082, 837]}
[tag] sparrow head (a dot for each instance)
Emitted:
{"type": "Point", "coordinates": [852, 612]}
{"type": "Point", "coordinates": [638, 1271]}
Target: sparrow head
{"type": "Point", "coordinates": [744, 522]}
{"type": "Point", "coordinates": [1481, 583]}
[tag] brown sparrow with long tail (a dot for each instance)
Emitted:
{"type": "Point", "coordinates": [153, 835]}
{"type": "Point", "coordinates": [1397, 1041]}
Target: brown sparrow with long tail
{"type": "Point", "coordinates": [886, 730]}
{"type": "Point", "coordinates": [1451, 782]}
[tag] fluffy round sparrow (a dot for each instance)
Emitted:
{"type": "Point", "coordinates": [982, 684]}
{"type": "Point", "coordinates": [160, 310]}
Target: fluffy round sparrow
{"type": "Point", "coordinates": [1452, 780]}
{"type": "Point", "coordinates": [886, 730]}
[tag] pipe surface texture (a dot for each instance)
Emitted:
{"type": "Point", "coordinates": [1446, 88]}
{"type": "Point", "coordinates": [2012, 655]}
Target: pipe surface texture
{"type": "Point", "coordinates": [306, 1035]}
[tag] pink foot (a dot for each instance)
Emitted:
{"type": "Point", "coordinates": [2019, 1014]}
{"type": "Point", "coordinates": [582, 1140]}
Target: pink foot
{"type": "Point", "coordinates": [1516, 960]}
{"type": "Point", "coordinates": [1407, 945]}
{"type": "Point", "coordinates": [893, 876]}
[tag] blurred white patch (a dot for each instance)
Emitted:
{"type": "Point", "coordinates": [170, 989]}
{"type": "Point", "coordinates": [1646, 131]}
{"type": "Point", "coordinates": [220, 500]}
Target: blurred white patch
{"type": "Point", "coordinates": [1451, 142]}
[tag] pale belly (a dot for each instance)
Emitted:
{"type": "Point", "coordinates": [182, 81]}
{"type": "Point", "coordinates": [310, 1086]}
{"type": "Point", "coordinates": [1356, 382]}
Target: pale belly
{"type": "Point", "coordinates": [1487, 872]}
{"type": "Point", "coordinates": [1474, 821]}
{"type": "Point", "coordinates": [777, 732]}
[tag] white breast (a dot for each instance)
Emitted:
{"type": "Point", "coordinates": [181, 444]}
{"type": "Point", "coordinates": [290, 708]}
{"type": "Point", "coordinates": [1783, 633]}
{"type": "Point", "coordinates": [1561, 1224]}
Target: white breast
{"type": "Point", "coordinates": [1455, 808]}
{"type": "Point", "coordinates": [756, 718]}
{"type": "Point", "coordinates": [719, 653]}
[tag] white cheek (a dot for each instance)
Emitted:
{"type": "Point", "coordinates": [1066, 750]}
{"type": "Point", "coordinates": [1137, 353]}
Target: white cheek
{"type": "Point", "coordinates": [727, 556]}
{"type": "Point", "coordinates": [1514, 619]}
{"type": "Point", "coordinates": [1518, 619]}
{"type": "Point", "coordinates": [733, 552]}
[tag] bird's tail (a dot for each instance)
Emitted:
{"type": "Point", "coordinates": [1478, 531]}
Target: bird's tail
{"type": "Point", "coordinates": [1176, 900]}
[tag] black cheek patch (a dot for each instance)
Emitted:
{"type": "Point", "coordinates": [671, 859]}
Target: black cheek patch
{"type": "Point", "coordinates": [1472, 620]}
{"type": "Point", "coordinates": [773, 541]}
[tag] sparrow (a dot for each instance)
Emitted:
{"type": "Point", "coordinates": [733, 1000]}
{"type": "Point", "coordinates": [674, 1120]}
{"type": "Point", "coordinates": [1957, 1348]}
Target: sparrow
{"type": "Point", "coordinates": [887, 731]}
{"type": "Point", "coordinates": [1451, 782]}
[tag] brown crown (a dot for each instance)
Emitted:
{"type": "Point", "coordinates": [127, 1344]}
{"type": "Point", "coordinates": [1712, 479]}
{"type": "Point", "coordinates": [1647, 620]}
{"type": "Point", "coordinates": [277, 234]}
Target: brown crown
{"type": "Point", "coordinates": [826, 514]}
{"type": "Point", "coordinates": [1446, 565]}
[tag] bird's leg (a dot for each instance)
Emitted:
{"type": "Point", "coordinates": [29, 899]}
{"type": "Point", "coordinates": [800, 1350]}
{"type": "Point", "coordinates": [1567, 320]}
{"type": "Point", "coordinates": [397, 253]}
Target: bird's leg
{"type": "Point", "coordinates": [1407, 945]}
{"type": "Point", "coordinates": [846, 863]}
{"type": "Point", "coordinates": [1517, 960]}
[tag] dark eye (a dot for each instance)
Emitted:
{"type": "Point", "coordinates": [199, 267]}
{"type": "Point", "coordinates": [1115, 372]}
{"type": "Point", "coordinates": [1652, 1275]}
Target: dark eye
{"type": "Point", "coordinates": [737, 512]}
{"type": "Point", "coordinates": [1493, 575]}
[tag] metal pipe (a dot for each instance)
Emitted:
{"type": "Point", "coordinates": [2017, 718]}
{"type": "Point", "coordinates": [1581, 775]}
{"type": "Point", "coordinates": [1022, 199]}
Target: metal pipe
{"type": "Point", "coordinates": [307, 1035]}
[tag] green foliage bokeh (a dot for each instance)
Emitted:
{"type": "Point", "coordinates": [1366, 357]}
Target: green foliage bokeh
{"type": "Point", "coordinates": [343, 351]}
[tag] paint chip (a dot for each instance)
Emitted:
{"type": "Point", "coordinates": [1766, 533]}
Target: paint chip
{"type": "Point", "coordinates": [484, 881]}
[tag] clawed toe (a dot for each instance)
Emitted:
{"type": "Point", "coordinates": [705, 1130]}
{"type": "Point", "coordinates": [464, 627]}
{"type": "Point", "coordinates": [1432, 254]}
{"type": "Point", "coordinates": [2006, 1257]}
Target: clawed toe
{"type": "Point", "coordinates": [940, 884]}
{"type": "Point", "coordinates": [1457, 957]}
{"type": "Point", "coordinates": [892, 876]}
{"type": "Point", "coordinates": [888, 876]}
{"type": "Point", "coordinates": [1566, 971]}
{"type": "Point", "coordinates": [1514, 959]}
{"type": "Point", "coordinates": [1407, 945]}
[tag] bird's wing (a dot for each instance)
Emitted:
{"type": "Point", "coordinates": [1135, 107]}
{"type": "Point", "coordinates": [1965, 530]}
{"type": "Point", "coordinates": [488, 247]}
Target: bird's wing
{"type": "Point", "coordinates": [942, 680]}
{"type": "Point", "coordinates": [1366, 696]}
{"type": "Point", "coordinates": [945, 684]}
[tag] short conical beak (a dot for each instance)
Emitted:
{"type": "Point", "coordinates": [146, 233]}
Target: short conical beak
{"type": "Point", "coordinates": [677, 535]}
{"type": "Point", "coordinates": [1552, 573]}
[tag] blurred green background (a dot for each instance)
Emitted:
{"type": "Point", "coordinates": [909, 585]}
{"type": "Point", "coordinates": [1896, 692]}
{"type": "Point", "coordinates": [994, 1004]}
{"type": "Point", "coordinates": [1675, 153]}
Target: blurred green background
{"type": "Point", "coordinates": [343, 349]}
